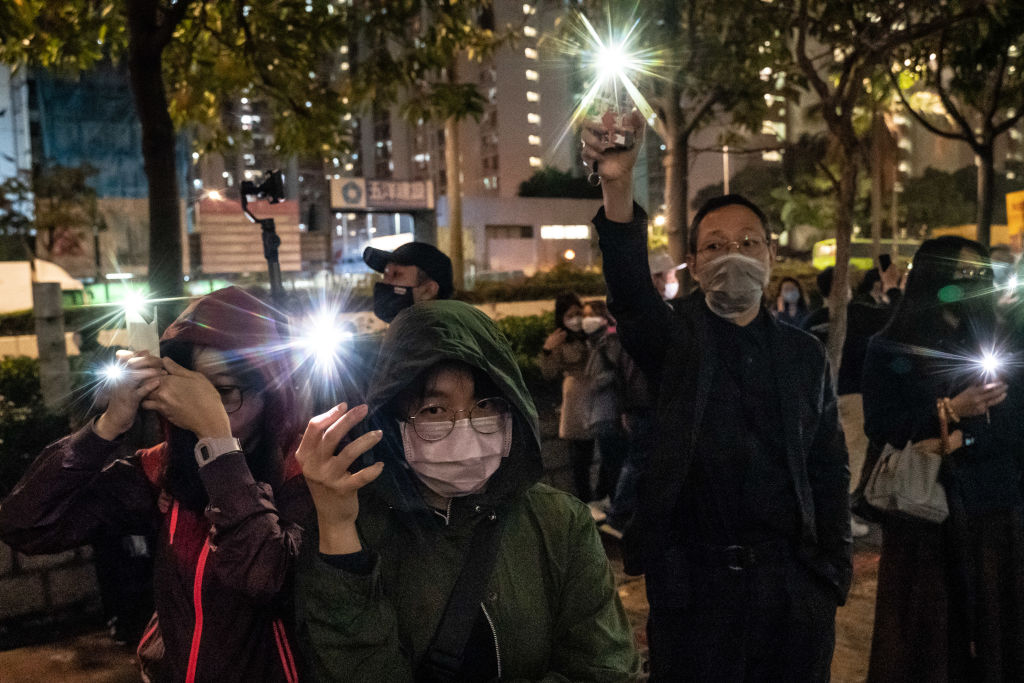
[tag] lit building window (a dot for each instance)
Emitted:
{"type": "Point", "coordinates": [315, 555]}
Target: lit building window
{"type": "Point", "coordinates": [536, 162]}
{"type": "Point", "coordinates": [529, 32]}
{"type": "Point", "coordinates": [773, 155]}
{"type": "Point", "coordinates": [534, 139]}
{"type": "Point", "coordinates": [533, 118]}
{"type": "Point", "coordinates": [532, 75]}
{"type": "Point", "coordinates": [532, 96]}
{"type": "Point", "coordinates": [565, 232]}
{"type": "Point", "coordinates": [530, 53]}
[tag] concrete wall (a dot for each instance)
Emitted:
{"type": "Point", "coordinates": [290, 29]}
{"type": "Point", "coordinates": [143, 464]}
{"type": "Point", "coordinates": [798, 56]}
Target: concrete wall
{"type": "Point", "coordinates": [38, 584]}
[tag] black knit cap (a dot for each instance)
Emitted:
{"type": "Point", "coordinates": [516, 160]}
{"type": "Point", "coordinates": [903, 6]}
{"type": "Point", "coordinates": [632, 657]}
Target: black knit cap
{"type": "Point", "coordinates": [426, 257]}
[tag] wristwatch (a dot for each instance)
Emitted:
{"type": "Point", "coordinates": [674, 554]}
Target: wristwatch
{"type": "Point", "coordinates": [209, 449]}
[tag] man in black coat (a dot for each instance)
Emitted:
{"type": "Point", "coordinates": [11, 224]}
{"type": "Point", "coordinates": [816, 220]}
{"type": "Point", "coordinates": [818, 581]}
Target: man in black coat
{"type": "Point", "coordinates": [743, 527]}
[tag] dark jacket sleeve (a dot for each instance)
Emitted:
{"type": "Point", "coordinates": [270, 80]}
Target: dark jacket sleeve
{"type": "Point", "coordinates": [256, 542]}
{"type": "Point", "coordinates": [75, 489]}
{"type": "Point", "coordinates": [829, 475]}
{"type": "Point", "coordinates": [642, 316]}
{"type": "Point", "coordinates": [348, 628]}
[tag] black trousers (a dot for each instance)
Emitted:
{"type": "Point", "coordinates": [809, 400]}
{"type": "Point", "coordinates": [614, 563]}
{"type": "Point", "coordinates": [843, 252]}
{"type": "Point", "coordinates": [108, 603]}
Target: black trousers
{"type": "Point", "coordinates": [774, 621]}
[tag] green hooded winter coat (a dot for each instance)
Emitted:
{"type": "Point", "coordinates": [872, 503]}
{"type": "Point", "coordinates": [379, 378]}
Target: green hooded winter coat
{"type": "Point", "coordinates": [551, 602]}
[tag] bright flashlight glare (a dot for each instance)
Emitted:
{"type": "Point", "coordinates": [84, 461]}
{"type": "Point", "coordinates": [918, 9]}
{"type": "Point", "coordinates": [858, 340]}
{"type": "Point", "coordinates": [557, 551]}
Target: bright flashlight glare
{"type": "Point", "coordinates": [990, 362]}
{"type": "Point", "coordinates": [1012, 282]}
{"type": "Point", "coordinates": [612, 62]}
{"type": "Point", "coordinates": [324, 337]}
{"type": "Point", "coordinates": [112, 372]}
{"type": "Point", "coordinates": [134, 303]}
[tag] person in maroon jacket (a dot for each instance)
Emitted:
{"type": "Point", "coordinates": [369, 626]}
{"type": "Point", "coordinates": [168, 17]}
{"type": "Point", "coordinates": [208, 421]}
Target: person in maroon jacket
{"type": "Point", "coordinates": [222, 494]}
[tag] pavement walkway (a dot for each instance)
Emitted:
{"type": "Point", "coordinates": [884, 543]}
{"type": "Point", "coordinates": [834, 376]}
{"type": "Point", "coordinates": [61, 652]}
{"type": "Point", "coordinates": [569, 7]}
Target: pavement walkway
{"type": "Point", "coordinates": [93, 658]}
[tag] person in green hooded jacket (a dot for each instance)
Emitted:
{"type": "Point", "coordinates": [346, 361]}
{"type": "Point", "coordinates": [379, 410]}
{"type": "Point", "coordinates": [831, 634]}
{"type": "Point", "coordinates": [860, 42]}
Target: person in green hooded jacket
{"type": "Point", "coordinates": [455, 444]}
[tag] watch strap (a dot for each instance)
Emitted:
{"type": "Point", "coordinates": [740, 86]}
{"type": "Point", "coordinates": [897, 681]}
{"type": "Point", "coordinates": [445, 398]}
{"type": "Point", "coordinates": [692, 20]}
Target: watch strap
{"type": "Point", "coordinates": [209, 449]}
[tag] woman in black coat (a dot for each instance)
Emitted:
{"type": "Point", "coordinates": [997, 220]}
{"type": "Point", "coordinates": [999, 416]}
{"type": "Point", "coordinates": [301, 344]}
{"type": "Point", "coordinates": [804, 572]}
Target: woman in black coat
{"type": "Point", "coordinates": [950, 602]}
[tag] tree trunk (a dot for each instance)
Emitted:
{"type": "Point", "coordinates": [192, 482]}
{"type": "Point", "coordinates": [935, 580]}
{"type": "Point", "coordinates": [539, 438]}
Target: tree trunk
{"type": "Point", "coordinates": [453, 170]}
{"type": "Point", "coordinates": [876, 185]}
{"type": "Point", "coordinates": [54, 371]}
{"type": "Point", "coordinates": [838, 299]}
{"type": "Point", "coordinates": [986, 192]}
{"type": "Point", "coordinates": [158, 149]}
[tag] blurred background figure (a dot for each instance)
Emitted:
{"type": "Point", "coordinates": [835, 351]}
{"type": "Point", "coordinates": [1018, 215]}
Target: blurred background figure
{"type": "Point", "coordinates": [605, 405]}
{"type": "Point", "coordinates": [664, 273]}
{"type": "Point", "coordinates": [865, 315]}
{"type": "Point", "coordinates": [565, 354]}
{"type": "Point", "coordinates": [791, 302]}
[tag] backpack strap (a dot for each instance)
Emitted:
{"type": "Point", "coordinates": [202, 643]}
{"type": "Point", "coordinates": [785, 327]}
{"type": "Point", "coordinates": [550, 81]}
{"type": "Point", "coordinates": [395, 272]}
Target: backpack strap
{"type": "Point", "coordinates": [443, 659]}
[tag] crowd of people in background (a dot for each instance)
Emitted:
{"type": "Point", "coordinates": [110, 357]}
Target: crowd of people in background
{"type": "Point", "coordinates": [403, 533]}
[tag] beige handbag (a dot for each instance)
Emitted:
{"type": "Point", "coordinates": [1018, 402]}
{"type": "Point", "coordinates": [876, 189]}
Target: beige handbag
{"type": "Point", "coordinates": [906, 481]}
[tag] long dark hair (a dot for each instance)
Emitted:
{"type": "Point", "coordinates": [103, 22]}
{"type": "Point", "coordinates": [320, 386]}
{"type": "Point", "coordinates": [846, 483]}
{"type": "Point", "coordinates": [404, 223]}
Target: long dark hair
{"type": "Point", "coordinates": [563, 302]}
{"type": "Point", "coordinates": [801, 304]}
{"type": "Point", "coordinates": [932, 285]}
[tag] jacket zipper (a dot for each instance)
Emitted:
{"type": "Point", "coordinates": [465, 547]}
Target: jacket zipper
{"type": "Point", "coordinates": [494, 632]}
{"type": "Point", "coordinates": [197, 601]}
{"type": "Point", "coordinates": [447, 514]}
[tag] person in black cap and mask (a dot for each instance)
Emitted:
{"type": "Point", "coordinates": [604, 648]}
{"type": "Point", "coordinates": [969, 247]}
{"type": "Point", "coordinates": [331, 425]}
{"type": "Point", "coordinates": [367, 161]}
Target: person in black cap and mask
{"type": "Point", "coordinates": [414, 272]}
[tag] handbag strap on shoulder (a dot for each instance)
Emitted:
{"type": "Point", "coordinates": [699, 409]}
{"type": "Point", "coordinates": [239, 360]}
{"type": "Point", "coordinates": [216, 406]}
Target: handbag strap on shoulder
{"type": "Point", "coordinates": [443, 659]}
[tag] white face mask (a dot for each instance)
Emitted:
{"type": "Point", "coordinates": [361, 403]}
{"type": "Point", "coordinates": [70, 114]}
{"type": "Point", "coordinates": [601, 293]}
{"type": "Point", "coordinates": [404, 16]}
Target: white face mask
{"type": "Point", "coordinates": [573, 323]}
{"type": "Point", "coordinates": [733, 284]}
{"type": "Point", "coordinates": [593, 323]}
{"type": "Point", "coordinates": [671, 289]}
{"type": "Point", "coordinates": [461, 463]}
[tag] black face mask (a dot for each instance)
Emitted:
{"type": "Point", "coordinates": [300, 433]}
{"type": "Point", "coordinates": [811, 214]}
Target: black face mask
{"type": "Point", "coordinates": [390, 300]}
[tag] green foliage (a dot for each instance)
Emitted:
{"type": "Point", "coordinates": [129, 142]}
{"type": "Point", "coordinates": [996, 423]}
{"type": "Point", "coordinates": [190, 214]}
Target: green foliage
{"type": "Point", "coordinates": [544, 285]}
{"type": "Point", "coordinates": [551, 182]}
{"type": "Point", "coordinates": [922, 204]}
{"type": "Point", "coordinates": [25, 424]}
{"type": "Point", "coordinates": [285, 53]}
{"type": "Point", "coordinates": [757, 182]}
{"type": "Point", "coordinates": [526, 335]}
{"type": "Point", "coordinates": [19, 380]}
{"type": "Point", "coordinates": [939, 198]}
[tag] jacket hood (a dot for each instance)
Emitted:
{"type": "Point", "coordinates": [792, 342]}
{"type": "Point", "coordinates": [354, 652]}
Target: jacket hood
{"type": "Point", "coordinates": [434, 331]}
{"type": "Point", "coordinates": [234, 321]}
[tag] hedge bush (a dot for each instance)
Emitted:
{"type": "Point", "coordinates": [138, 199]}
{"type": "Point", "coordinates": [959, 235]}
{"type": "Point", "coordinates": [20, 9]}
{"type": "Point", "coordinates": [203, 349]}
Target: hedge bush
{"type": "Point", "coordinates": [26, 426]}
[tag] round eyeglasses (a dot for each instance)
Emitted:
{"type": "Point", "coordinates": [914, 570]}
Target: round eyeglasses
{"type": "Point", "coordinates": [434, 422]}
{"type": "Point", "coordinates": [230, 397]}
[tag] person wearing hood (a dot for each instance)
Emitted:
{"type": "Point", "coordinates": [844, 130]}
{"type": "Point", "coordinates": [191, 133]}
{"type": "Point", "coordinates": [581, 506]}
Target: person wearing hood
{"type": "Point", "coordinates": [445, 559]}
{"type": "Point", "coordinates": [221, 494]}
{"type": "Point", "coordinates": [743, 527]}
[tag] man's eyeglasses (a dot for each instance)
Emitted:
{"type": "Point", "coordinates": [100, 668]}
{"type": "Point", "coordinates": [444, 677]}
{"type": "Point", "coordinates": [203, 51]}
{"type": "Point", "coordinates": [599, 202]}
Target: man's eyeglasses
{"type": "Point", "coordinates": [434, 422]}
{"type": "Point", "coordinates": [748, 246]}
{"type": "Point", "coordinates": [230, 396]}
